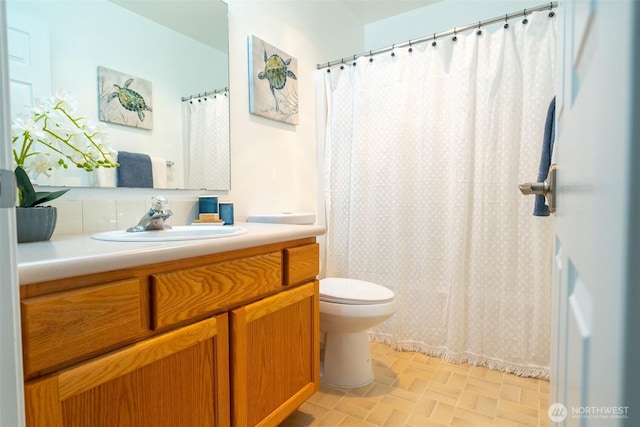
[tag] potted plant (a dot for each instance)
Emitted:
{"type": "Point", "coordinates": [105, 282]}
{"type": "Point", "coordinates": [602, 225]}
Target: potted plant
{"type": "Point", "coordinates": [46, 137]}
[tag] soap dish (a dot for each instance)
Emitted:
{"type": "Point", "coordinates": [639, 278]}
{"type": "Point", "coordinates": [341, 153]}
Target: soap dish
{"type": "Point", "coordinates": [208, 223]}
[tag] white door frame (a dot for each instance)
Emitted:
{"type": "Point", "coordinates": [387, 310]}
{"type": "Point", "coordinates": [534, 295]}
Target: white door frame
{"type": "Point", "coordinates": [596, 355]}
{"type": "Point", "coordinates": [11, 382]}
{"type": "Point", "coordinates": [631, 388]}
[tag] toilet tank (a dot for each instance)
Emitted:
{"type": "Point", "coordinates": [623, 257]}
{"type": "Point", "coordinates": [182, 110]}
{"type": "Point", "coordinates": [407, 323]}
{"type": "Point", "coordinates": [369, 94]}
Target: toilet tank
{"type": "Point", "coordinates": [305, 218]}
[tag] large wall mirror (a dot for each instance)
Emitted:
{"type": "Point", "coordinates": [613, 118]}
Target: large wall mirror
{"type": "Point", "coordinates": [178, 47]}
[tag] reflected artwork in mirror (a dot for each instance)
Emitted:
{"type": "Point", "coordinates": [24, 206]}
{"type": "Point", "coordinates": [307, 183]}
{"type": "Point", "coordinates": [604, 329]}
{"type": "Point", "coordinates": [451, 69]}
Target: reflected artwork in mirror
{"type": "Point", "coordinates": [181, 46]}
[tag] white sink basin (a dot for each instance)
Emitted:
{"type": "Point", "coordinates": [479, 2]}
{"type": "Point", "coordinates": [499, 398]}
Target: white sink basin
{"type": "Point", "coordinates": [179, 232]}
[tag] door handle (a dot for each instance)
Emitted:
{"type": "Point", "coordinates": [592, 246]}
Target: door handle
{"type": "Point", "coordinates": [547, 188]}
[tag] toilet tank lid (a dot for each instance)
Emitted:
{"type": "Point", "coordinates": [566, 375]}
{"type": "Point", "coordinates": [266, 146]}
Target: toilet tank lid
{"type": "Point", "coordinates": [304, 218]}
{"type": "Point", "coordinates": [353, 291]}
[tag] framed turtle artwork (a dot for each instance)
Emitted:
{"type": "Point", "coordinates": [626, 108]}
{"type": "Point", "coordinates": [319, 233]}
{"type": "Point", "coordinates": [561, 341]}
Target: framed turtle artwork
{"type": "Point", "coordinates": [273, 82]}
{"type": "Point", "coordinates": [124, 99]}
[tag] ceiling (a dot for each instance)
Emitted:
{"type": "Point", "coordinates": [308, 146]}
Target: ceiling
{"type": "Point", "coordinates": [206, 20]}
{"type": "Point", "coordinates": [202, 20]}
{"type": "Point", "coordinates": [368, 11]}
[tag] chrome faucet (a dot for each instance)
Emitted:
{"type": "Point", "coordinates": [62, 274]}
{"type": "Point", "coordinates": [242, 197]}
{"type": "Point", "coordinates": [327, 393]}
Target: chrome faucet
{"type": "Point", "coordinates": [155, 218]}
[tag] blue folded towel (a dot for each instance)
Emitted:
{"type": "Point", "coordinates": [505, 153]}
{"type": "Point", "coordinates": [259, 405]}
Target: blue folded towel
{"type": "Point", "coordinates": [134, 170]}
{"type": "Point", "coordinates": [541, 208]}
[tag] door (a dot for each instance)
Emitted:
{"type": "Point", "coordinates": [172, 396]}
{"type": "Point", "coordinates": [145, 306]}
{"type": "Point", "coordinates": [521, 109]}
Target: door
{"type": "Point", "coordinates": [11, 389]}
{"type": "Point", "coordinates": [595, 348]}
{"type": "Point", "coordinates": [29, 60]}
{"type": "Point", "coordinates": [275, 351]}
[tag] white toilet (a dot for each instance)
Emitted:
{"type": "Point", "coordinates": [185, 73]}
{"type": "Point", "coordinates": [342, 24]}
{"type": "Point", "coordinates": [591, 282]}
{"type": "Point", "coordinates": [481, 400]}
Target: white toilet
{"type": "Point", "coordinates": [348, 309]}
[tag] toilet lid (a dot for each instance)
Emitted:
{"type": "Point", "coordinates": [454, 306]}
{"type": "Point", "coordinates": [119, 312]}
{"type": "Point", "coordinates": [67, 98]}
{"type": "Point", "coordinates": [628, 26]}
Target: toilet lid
{"type": "Point", "coordinates": [352, 291]}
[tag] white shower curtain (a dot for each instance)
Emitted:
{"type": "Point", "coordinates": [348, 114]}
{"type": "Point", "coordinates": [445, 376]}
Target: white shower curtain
{"type": "Point", "coordinates": [207, 132]}
{"type": "Point", "coordinates": [423, 154]}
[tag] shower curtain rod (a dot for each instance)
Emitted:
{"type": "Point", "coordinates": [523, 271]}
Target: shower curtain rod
{"type": "Point", "coordinates": [201, 95]}
{"type": "Point", "coordinates": [548, 6]}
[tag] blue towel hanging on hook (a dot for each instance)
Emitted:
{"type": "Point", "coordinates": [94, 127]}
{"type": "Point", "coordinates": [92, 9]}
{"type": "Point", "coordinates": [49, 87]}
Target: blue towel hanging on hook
{"type": "Point", "coordinates": [540, 207]}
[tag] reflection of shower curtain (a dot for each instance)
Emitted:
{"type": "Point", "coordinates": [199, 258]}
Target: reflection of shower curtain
{"type": "Point", "coordinates": [207, 130]}
{"type": "Point", "coordinates": [424, 151]}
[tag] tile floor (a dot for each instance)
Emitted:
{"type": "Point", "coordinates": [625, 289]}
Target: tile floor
{"type": "Point", "coordinates": [412, 389]}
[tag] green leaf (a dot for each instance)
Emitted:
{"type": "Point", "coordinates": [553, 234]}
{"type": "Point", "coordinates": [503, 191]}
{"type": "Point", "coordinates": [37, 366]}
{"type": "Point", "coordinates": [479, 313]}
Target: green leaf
{"type": "Point", "coordinates": [27, 193]}
{"type": "Point", "coordinates": [43, 197]}
{"type": "Point", "coordinates": [29, 197]}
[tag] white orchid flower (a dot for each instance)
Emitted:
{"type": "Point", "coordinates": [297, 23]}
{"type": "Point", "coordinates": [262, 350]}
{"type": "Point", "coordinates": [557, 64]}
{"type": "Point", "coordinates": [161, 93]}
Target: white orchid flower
{"type": "Point", "coordinates": [41, 164]}
{"type": "Point", "coordinates": [23, 124]}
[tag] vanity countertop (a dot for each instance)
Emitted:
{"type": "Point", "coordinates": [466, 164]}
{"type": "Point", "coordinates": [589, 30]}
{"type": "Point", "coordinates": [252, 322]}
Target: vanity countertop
{"type": "Point", "coordinates": [76, 255]}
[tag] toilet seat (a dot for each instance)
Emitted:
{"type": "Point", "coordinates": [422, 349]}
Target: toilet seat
{"type": "Point", "coordinates": [353, 292]}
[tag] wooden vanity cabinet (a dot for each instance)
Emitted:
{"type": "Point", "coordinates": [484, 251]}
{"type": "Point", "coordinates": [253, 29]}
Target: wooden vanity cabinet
{"type": "Point", "coordinates": [179, 378]}
{"type": "Point", "coordinates": [225, 339]}
{"type": "Point", "coordinates": [275, 364]}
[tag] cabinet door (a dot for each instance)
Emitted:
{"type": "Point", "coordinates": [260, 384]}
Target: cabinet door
{"type": "Point", "coordinates": [176, 379]}
{"type": "Point", "coordinates": [275, 360]}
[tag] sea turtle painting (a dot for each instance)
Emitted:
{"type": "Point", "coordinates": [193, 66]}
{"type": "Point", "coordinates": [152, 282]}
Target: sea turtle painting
{"type": "Point", "coordinates": [273, 82]}
{"type": "Point", "coordinates": [276, 73]}
{"type": "Point", "coordinates": [130, 99]}
{"type": "Point", "coordinates": [134, 99]}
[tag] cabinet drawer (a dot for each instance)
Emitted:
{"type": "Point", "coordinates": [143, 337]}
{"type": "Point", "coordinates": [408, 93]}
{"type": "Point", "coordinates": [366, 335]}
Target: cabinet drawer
{"type": "Point", "coordinates": [68, 326]}
{"type": "Point", "coordinates": [301, 264]}
{"type": "Point", "coordinates": [186, 294]}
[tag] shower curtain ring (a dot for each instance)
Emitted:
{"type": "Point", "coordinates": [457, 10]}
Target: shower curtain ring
{"type": "Point", "coordinates": [455, 35]}
{"type": "Point", "coordinates": [434, 40]}
{"type": "Point", "coordinates": [551, 13]}
{"type": "Point", "coordinates": [506, 18]}
{"type": "Point", "coordinates": [410, 48]}
{"type": "Point", "coordinates": [479, 31]}
{"type": "Point", "coordinates": [354, 60]}
{"type": "Point", "coordinates": [525, 20]}
{"type": "Point", "coordinates": [370, 56]}
{"type": "Point", "coordinates": [342, 66]}
{"type": "Point", "coordinates": [393, 46]}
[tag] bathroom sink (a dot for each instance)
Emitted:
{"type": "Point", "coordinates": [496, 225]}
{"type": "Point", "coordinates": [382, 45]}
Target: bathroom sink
{"type": "Point", "coordinates": [179, 232]}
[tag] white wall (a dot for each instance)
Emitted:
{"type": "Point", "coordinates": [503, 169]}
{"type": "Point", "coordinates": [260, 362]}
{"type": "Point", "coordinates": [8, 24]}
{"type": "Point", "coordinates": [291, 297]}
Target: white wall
{"type": "Point", "coordinates": [88, 34]}
{"type": "Point", "coordinates": [274, 164]}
